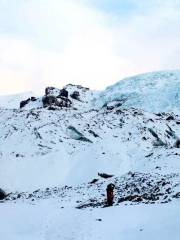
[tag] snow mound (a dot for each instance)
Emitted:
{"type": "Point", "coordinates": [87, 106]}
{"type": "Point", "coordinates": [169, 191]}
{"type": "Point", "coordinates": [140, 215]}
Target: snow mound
{"type": "Point", "coordinates": [152, 92]}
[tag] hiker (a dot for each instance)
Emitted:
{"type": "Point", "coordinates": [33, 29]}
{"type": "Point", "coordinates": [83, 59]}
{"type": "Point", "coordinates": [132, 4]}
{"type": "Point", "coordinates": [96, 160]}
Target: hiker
{"type": "Point", "coordinates": [110, 194]}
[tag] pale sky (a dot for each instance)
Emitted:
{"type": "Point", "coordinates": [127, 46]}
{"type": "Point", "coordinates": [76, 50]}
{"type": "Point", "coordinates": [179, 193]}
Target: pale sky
{"type": "Point", "coordinates": [90, 42]}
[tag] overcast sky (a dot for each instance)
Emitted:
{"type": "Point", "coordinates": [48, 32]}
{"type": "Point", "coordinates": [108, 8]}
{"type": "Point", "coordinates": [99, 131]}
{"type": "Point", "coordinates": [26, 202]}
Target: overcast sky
{"type": "Point", "coordinates": [90, 42]}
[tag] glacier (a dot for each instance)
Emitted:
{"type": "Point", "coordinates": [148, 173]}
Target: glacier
{"type": "Point", "coordinates": [152, 92]}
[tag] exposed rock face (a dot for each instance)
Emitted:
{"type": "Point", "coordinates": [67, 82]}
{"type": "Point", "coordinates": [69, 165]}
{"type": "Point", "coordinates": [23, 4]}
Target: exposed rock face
{"type": "Point", "coordinates": [49, 90]}
{"type": "Point", "coordinates": [55, 97]}
{"type": "Point", "coordinates": [105, 175]}
{"type": "Point", "coordinates": [71, 96]}
{"type": "Point", "coordinates": [63, 93]}
{"type": "Point", "coordinates": [75, 95]}
{"type": "Point", "coordinates": [25, 102]}
{"type": "Point", "coordinates": [50, 100]}
{"type": "Point", "coordinates": [64, 97]}
{"type": "Point", "coordinates": [2, 194]}
{"type": "Point", "coordinates": [177, 143]}
{"type": "Point", "coordinates": [76, 135]}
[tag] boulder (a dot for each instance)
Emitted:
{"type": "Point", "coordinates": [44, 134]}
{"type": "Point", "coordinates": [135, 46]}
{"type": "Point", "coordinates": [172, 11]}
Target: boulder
{"type": "Point", "coordinates": [75, 95]}
{"type": "Point", "coordinates": [63, 93]}
{"type": "Point", "coordinates": [2, 194]}
{"type": "Point", "coordinates": [105, 175]}
{"type": "Point", "coordinates": [49, 100]}
{"type": "Point", "coordinates": [169, 118]}
{"type": "Point", "coordinates": [33, 99]}
{"type": "Point", "coordinates": [25, 102]}
{"type": "Point", "coordinates": [177, 143]}
{"type": "Point", "coordinates": [53, 101]}
{"type": "Point", "coordinates": [49, 90]}
{"type": "Point", "coordinates": [73, 133]}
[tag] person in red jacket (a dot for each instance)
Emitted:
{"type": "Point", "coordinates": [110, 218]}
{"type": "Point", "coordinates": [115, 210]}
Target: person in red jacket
{"type": "Point", "coordinates": [110, 194]}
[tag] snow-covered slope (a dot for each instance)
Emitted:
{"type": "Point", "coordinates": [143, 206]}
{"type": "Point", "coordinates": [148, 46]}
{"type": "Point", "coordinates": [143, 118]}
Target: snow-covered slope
{"type": "Point", "coordinates": [55, 151]}
{"type": "Point", "coordinates": [152, 92]}
{"type": "Point", "coordinates": [12, 101]}
{"type": "Point", "coordinates": [42, 147]}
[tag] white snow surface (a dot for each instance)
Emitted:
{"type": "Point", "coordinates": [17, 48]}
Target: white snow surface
{"type": "Point", "coordinates": [46, 221]}
{"type": "Point", "coordinates": [38, 150]}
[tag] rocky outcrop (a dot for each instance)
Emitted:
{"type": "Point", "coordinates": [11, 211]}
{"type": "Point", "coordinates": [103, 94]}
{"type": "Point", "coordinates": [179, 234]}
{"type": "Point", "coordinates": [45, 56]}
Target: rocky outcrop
{"type": "Point", "coordinates": [49, 90]}
{"type": "Point", "coordinates": [70, 96]}
{"type": "Point", "coordinates": [75, 95]}
{"type": "Point", "coordinates": [105, 175]}
{"type": "Point", "coordinates": [2, 194]}
{"type": "Point", "coordinates": [158, 142]}
{"type": "Point", "coordinates": [76, 135]}
{"type": "Point", "coordinates": [177, 143]}
{"type": "Point", "coordinates": [51, 100]}
{"type": "Point", "coordinates": [25, 102]}
{"type": "Point", "coordinates": [64, 93]}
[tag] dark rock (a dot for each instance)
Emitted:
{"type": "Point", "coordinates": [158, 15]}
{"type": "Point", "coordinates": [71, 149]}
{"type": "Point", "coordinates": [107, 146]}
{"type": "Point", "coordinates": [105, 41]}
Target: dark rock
{"type": "Point", "coordinates": [52, 108]}
{"type": "Point", "coordinates": [164, 183]}
{"type": "Point", "coordinates": [33, 99]}
{"type": "Point", "coordinates": [151, 120]}
{"type": "Point", "coordinates": [94, 181]}
{"type": "Point", "coordinates": [99, 220]}
{"type": "Point", "coordinates": [76, 135]}
{"type": "Point", "coordinates": [53, 101]}
{"type": "Point", "coordinates": [105, 175]}
{"type": "Point", "coordinates": [153, 133]}
{"type": "Point", "coordinates": [158, 114]}
{"type": "Point", "coordinates": [110, 108]}
{"type": "Point", "coordinates": [2, 194]}
{"type": "Point", "coordinates": [177, 195]}
{"type": "Point", "coordinates": [93, 133]}
{"type": "Point", "coordinates": [19, 195]}
{"type": "Point", "coordinates": [49, 100]}
{"type": "Point", "coordinates": [75, 95]}
{"type": "Point", "coordinates": [24, 102]}
{"type": "Point", "coordinates": [168, 190]}
{"type": "Point", "coordinates": [170, 118]}
{"type": "Point", "coordinates": [130, 198]}
{"type": "Point", "coordinates": [177, 143]}
{"type": "Point", "coordinates": [49, 90]}
{"type": "Point", "coordinates": [63, 93]}
{"type": "Point", "coordinates": [92, 204]}
{"type": "Point", "coordinates": [149, 155]}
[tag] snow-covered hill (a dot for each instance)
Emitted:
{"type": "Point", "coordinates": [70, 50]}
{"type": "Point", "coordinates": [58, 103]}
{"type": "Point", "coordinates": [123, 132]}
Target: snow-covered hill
{"type": "Point", "coordinates": [152, 92]}
{"type": "Point", "coordinates": [55, 149]}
